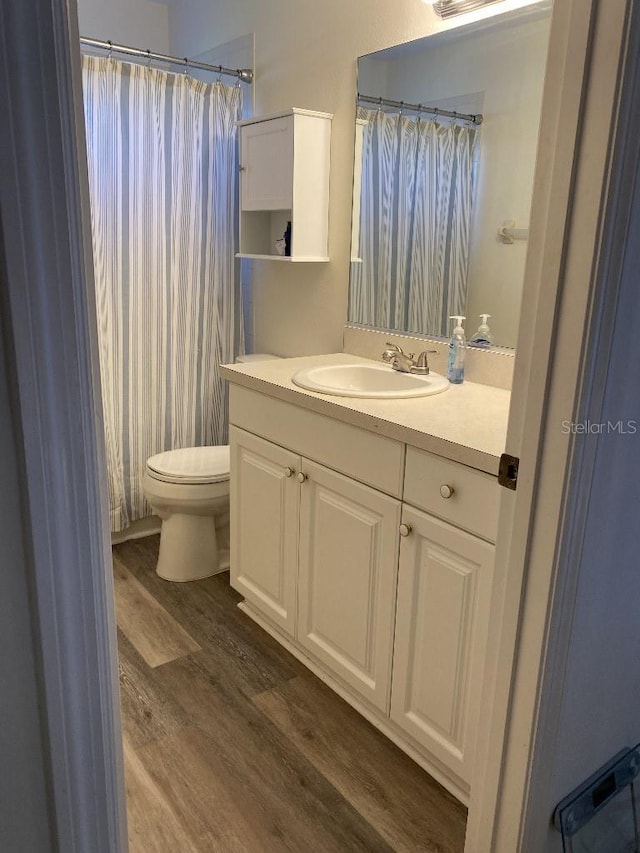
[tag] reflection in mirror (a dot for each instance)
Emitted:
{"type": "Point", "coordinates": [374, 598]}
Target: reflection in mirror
{"type": "Point", "coordinates": [446, 137]}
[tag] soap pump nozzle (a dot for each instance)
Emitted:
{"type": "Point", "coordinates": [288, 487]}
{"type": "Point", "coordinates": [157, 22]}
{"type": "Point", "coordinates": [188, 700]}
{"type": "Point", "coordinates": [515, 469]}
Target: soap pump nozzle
{"type": "Point", "coordinates": [458, 327]}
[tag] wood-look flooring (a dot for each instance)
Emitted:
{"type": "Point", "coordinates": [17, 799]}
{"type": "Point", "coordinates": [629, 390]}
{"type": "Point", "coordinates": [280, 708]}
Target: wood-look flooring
{"type": "Point", "coordinates": [231, 745]}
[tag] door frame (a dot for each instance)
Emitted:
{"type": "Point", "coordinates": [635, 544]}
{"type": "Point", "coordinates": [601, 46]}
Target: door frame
{"type": "Point", "coordinates": [565, 309]}
{"type": "Point", "coordinates": [48, 310]}
{"type": "Point", "coordinates": [45, 215]}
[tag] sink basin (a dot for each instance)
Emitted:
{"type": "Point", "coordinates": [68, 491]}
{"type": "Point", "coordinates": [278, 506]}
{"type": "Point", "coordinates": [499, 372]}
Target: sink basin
{"type": "Point", "coordinates": [368, 380]}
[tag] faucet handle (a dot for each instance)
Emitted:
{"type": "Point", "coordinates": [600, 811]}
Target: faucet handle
{"type": "Point", "coordinates": [391, 351]}
{"type": "Point", "coordinates": [422, 364]}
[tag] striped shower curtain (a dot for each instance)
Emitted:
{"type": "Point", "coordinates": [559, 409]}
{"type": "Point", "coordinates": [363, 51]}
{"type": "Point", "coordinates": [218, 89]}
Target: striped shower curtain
{"type": "Point", "coordinates": [162, 175]}
{"type": "Point", "coordinates": [415, 220]}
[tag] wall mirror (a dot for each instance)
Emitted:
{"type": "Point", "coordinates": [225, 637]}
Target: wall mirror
{"type": "Point", "coordinates": [446, 139]}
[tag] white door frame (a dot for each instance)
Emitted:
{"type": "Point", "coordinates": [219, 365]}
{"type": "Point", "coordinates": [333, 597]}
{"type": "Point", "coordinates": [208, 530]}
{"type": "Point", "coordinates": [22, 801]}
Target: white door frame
{"type": "Point", "coordinates": [562, 313]}
{"type": "Point", "coordinates": [52, 354]}
{"type": "Point", "coordinates": [44, 213]}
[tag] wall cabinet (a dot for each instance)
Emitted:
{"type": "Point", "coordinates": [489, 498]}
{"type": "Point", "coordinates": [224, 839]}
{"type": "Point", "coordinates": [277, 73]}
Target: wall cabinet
{"type": "Point", "coordinates": [389, 599]}
{"type": "Point", "coordinates": [284, 177]}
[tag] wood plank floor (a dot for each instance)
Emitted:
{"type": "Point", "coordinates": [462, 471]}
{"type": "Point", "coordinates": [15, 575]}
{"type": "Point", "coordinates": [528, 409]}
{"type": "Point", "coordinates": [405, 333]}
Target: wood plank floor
{"type": "Point", "coordinates": [232, 745]}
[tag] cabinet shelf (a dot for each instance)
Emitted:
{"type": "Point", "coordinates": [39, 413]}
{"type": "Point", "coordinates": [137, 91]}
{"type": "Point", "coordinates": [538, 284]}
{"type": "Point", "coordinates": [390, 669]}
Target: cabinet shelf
{"type": "Point", "coordinates": [294, 260]}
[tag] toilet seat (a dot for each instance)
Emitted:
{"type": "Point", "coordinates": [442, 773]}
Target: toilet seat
{"type": "Point", "coordinates": [191, 465]}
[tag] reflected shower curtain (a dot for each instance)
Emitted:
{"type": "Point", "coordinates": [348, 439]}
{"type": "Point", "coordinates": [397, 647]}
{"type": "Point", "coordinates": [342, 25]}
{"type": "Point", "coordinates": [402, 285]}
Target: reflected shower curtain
{"type": "Point", "coordinates": [162, 173]}
{"type": "Point", "coordinates": [415, 221]}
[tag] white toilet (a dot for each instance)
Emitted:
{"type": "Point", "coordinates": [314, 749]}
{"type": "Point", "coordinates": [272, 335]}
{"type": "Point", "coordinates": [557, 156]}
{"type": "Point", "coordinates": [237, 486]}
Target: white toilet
{"type": "Point", "coordinates": [189, 490]}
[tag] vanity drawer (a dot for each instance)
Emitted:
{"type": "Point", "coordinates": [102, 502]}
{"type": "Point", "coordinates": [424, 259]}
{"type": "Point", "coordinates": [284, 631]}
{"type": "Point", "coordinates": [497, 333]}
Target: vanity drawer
{"type": "Point", "coordinates": [474, 501]}
{"type": "Point", "coordinates": [373, 459]}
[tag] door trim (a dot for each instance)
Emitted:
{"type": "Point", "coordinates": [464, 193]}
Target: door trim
{"type": "Point", "coordinates": [49, 310]}
{"type": "Point", "coordinates": [581, 94]}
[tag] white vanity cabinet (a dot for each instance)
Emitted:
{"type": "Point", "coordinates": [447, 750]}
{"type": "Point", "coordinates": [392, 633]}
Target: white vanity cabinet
{"type": "Point", "coordinates": [265, 501]}
{"type": "Point", "coordinates": [372, 562]}
{"type": "Point", "coordinates": [444, 583]}
{"type": "Point", "coordinates": [347, 579]}
{"type": "Point", "coordinates": [444, 589]}
{"type": "Point", "coordinates": [284, 177]}
{"type": "Point", "coordinates": [302, 534]}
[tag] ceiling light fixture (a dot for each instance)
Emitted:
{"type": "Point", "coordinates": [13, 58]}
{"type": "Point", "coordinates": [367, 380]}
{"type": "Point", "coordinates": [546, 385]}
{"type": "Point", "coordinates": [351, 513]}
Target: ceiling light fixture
{"type": "Point", "coordinates": [449, 8]}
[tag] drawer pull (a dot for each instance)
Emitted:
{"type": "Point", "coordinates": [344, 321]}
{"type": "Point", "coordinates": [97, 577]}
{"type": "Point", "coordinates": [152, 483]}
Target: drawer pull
{"type": "Point", "coordinates": [446, 491]}
{"type": "Point", "coordinates": [405, 529]}
{"type": "Point", "coordinates": [302, 477]}
{"type": "Point", "coordinates": [289, 471]}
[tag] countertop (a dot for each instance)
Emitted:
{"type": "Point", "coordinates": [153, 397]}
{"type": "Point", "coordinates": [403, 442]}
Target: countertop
{"type": "Point", "coordinates": [467, 423]}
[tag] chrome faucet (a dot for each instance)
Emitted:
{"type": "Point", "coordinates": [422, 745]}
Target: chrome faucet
{"type": "Point", "coordinates": [404, 362]}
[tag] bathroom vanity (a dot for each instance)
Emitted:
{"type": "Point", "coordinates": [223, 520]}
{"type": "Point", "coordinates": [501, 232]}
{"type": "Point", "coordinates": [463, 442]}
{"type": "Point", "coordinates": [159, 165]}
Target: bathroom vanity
{"type": "Point", "coordinates": [362, 537]}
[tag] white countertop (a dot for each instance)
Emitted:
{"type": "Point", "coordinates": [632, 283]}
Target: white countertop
{"type": "Point", "coordinates": [467, 423]}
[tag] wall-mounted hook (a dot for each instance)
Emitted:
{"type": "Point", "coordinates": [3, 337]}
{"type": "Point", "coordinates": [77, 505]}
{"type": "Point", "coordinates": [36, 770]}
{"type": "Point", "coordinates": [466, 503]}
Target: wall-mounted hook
{"type": "Point", "coordinates": [508, 232]}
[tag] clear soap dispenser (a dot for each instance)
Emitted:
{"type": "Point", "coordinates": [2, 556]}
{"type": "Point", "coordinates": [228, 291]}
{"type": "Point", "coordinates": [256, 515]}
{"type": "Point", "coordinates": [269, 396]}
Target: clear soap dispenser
{"type": "Point", "coordinates": [482, 337]}
{"type": "Point", "coordinates": [457, 349]}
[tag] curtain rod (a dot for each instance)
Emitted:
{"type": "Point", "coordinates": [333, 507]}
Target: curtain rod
{"type": "Point", "coordinates": [243, 74]}
{"type": "Point", "coordinates": [419, 108]}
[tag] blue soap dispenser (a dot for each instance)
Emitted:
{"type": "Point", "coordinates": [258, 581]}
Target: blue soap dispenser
{"type": "Point", "coordinates": [457, 349]}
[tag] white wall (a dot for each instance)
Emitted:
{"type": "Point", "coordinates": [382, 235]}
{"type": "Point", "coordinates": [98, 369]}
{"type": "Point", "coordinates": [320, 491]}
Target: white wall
{"type": "Point", "coordinates": [306, 56]}
{"type": "Point", "coordinates": [498, 71]}
{"type": "Point", "coordinates": [138, 23]}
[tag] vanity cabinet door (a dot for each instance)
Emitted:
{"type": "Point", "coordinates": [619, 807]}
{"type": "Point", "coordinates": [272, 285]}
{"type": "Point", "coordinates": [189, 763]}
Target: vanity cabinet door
{"type": "Point", "coordinates": [265, 500]}
{"type": "Point", "coordinates": [444, 587]}
{"type": "Point", "coordinates": [347, 579]}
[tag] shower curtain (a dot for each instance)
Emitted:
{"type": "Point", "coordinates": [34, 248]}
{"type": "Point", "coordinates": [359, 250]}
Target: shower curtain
{"type": "Point", "coordinates": [415, 219]}
{"type": "Point", "coordinates": [162, 176]}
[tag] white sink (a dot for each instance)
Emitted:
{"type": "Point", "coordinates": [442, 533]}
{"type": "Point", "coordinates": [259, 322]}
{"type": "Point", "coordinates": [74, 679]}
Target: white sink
{"type": "Point", "coordinates": [368, 380]}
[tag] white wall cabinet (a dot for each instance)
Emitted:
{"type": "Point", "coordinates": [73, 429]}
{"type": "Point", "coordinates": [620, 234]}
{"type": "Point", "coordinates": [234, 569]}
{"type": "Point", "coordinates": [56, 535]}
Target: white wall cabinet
{"type": "Point", "coordinates": [387, 601]}
{"type": "Point", "coordinates": [284, 177]}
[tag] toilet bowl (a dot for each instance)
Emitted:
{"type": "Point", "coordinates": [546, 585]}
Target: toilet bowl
{"type": "Point", "coordinates": [188, 489]}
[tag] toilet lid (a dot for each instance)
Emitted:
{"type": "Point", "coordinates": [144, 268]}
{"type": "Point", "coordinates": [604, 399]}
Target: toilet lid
{"type": "Point", "coordinates": [191, 465]}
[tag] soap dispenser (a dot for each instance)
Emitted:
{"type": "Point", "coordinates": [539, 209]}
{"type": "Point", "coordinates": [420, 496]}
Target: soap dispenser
{"type": "Point", "coordinates": [482, 337]}
{"type": "Point", "coordinates": [457, 348]}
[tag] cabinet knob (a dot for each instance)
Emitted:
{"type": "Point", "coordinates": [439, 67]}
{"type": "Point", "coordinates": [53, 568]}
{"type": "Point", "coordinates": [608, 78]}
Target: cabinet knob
{"type": "Point", "coordinates": [405, 529]}
{"type": "Point", "coordinates": [242, 168]}
{"type": "Point", "coordinates": [302, 477]}
{"type": "Point", "coordinates": [288, 471]}
{"type": "Point", "coordinates": [446, 491]}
